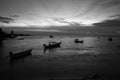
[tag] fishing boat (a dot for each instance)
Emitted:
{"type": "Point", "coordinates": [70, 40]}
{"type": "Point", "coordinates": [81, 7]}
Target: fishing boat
{"type": "Point", "coordinates": [51, 36]}
{"type": "Point", "coordinates": [20, 54]}
{"type": "Point", "coordinates": [109, 39]}
{"type": "Point", "coordinates": [78, 41]}
{"type": "Point", "coordinates": [52, 45]}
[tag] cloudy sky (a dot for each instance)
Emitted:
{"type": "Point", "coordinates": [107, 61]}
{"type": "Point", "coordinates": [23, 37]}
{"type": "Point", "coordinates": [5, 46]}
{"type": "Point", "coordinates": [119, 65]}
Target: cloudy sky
{"type": "Point", "coordinates": [42, 13]}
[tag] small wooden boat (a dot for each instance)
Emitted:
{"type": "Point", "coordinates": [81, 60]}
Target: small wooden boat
{"type": "Point", "coordinates": [78, 41]}
{"type": "Point", "coordinates": [109, 39]}
{"type": "Point", "coordinates": [51, 36]}
{"type": "Point", "coordinates": [52, 45]}
{"type": "Point", "coordinates": [20, 54]}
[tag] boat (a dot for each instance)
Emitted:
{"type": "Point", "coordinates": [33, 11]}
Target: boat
{"type": "Point", "coordinates": [51, 36]}
{"type": "Point", "coordinates": [109, 39]}
{"type": "Point", "coordinates": [78, 41]}
{"type": "Point", "coordinates": [52, 45]}
{"type": "Point", "coordinates": [20, 54]}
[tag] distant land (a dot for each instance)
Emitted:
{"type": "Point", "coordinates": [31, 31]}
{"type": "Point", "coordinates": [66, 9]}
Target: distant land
{"type": "Point", "coordinates": [66, 31]}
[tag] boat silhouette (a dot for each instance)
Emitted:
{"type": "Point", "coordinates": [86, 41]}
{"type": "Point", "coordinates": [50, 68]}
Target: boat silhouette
{"type": "Point", "coordinates": [18, 55]}
{"type": "Point", "coordinates": [52, 45]}
{"type": "Point", "coordinates": [78, 41]}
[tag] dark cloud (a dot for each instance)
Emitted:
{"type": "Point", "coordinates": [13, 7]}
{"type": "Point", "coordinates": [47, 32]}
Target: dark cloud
{"type": "Point", "coordinates": [117, 16]}
{"type": "Point", "coordinates": [109, 23]}
{"type": "Point", "coordinates": [111, 3]}
{"type": "Point", "coordinates": [6, 19]}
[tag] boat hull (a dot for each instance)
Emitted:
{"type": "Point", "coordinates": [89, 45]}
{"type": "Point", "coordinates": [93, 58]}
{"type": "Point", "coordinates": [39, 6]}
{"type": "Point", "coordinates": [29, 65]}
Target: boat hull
{"type": "Point", "coordinates": [50, 46]}
{"type": "Point", "coordinates": [20, 54]}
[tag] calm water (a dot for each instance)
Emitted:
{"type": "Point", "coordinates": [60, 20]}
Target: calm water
{"type": "Point", "coordinates": [93, 45]}
{"type": "Point", "coordinates": [95, 55]}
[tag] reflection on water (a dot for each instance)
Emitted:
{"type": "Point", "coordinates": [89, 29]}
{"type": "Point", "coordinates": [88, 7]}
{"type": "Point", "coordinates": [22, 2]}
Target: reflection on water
{"type": "Point", "coordinates": [70, 58]}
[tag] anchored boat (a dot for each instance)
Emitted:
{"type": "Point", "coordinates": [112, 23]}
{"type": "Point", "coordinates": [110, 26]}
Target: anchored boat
{"type": "Point", "coordinates": [20, 54]}
{"type": "Point", "coordinates": [78, 41]}
{"type": "Point", "coordinates": [52, 45]}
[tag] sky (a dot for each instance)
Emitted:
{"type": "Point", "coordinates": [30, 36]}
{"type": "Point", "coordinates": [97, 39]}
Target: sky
{"type": "Point", "coordinates": [47, 13]}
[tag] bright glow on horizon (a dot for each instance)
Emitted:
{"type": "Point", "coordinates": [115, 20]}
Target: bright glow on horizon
{"type": "Point", "coordinates": [50, 22]}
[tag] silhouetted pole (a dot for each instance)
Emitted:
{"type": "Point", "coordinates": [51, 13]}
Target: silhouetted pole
{"type": "Point", "coordinates": [1, 34]}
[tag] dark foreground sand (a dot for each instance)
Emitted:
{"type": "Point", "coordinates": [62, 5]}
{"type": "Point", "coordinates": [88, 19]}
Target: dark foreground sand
{"type": "Point", "coordinates": [79, 67]}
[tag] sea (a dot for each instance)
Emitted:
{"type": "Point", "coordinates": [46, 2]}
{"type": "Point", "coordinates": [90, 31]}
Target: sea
{"type": "Point", "coordinates": [95, 56]}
